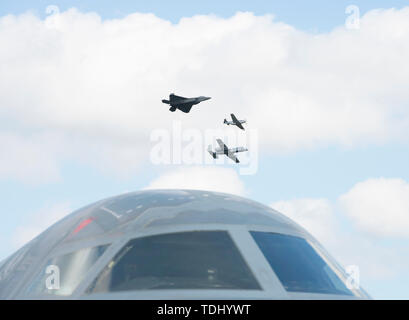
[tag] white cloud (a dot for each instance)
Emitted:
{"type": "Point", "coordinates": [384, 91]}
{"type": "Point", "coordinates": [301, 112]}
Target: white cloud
{"type": "Point", "coordinates": [97, 85]}
{"type": "Point", "coordinates": [377, 252]}
{"type": "Point", "coordinates": [201, 178]}
{"type": "Point", "coordinates": [315, 215]}
{"type": "Point", "coordinates": [30, 159]}
{"type": "Point", "coordinates": [377, 260]}
{"type": "Point", "coordinates": [38, 222]}
{"type": "Point", "coordinates": [379, 207]}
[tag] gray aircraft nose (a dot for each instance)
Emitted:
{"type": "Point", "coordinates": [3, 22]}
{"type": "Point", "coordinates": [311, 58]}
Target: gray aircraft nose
{"type": "Point", "coordinates": [206, 98]}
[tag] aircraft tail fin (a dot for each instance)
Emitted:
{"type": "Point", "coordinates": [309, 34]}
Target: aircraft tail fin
{"type": "Point", "coordinates": [225, 121]}
{"type": "Point", "coordinates": [213, 154]}
{"type": "Point", "coordinates": [173, 109]}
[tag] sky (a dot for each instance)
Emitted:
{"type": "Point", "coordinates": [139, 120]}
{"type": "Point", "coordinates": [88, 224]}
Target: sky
{"type": "Point", "coordinates": [323, 89]}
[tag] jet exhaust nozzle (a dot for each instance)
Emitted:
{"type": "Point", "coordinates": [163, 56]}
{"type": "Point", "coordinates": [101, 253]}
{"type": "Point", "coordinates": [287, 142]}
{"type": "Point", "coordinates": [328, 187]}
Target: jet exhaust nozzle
{"type": "Point", "coordinates": [166, 101]}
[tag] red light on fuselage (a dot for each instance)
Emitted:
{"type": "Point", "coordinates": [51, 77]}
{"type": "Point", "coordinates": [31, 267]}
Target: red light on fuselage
{"type": "Point", "coordinates": [82, 225]}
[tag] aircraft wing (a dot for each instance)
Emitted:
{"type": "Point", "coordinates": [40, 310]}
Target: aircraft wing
{"type": "Point", "coordinates": [185, 107]}
{"type": "Point", "coordinates": [239, 125]}
{"type": "Point", "coordinates": [233, 157]}
{"type": "Point", "coordinates": [236, 121]}
{"type": "Point", "coordinates": [221, 144]}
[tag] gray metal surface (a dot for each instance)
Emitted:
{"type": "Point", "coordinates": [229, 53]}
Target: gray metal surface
{"type": "Point", "coordinates": [119, 219]}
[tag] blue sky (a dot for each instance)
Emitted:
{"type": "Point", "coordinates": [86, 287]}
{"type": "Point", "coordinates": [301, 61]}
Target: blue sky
{"type": "Point", "coordinates": [330, 163]}
{"type": "Point", "coordinates": [315, 15]}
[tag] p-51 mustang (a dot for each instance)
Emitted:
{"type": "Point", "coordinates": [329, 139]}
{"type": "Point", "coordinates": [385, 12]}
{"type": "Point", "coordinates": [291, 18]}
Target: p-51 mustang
{"type": "Point", "coordinates": [225, 150]}
{"type": "Point", "coordinates": [235, 122]}
{"type": "Point", "coordinates": [183, 104]}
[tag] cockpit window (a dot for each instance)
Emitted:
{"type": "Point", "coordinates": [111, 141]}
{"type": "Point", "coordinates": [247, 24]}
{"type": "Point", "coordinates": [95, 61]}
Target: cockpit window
{"type": "Point", "coordinates": [185, 260]}
{"type": "Point", "coordinates": [297, 265]}
{"type": "Point", "coordinates": [64, 273]}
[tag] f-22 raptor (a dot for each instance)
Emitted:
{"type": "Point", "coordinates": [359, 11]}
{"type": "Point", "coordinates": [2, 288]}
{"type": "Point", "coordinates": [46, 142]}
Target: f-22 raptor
{"type": "Point", "coordinates": [183, 104]}
{"type": "Point", "coordinates": [235, 121]}
{"type": "Point", "coordinates": [223, 149]}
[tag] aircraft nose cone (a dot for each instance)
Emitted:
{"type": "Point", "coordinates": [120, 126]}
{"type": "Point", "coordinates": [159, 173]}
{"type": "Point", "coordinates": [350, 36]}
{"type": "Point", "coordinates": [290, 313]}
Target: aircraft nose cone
{"type": "Point", "coordinates": [206, 98]}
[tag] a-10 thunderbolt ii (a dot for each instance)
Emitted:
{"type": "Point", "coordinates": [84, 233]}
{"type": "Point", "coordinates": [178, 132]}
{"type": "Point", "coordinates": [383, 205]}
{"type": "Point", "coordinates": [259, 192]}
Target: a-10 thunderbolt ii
{"type": "Point", "coordinates": [223, 149]}
{"type": "Point", "coordinates": [235, 122]}
{"type": "Point", "coordinates": [183, 104]}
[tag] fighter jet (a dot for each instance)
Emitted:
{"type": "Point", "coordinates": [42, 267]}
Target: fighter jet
{"type": "Point", "coordinates": [235, 122]}
{"type": "Point", "coordinates": [183, 104]}
{"type": "Point", "coordinates": [225, 150]}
